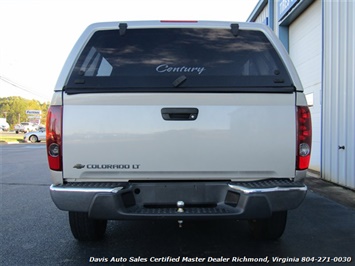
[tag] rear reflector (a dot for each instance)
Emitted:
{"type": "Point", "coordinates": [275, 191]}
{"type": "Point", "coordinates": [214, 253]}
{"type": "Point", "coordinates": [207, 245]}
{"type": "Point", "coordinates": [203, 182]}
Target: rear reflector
{"type": "Point", "coordinates": [54, 137]}
{"type": "Point", "coordinates": [304, 137]}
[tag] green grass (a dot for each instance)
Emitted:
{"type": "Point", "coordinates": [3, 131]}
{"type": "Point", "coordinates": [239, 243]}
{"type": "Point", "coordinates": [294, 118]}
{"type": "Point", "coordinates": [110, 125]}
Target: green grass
{"type": "Point", "coordinates": [10, 138]}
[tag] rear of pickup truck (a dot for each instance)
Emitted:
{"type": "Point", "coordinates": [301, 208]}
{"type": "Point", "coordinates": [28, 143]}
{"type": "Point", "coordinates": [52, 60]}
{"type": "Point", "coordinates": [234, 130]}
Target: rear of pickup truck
{"type": "Point", "coordinates": [178, 120]}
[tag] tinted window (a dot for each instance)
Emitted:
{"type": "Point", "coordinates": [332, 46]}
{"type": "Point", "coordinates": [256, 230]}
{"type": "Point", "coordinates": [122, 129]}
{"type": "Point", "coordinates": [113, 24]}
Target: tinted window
{"type": "Point", "coordinates": [179, 60]}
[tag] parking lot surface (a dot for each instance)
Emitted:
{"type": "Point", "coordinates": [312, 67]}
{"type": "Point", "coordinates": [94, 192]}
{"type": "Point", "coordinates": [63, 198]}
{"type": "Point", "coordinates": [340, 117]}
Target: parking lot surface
{"type": "Point", "coordinates": [34, 232]}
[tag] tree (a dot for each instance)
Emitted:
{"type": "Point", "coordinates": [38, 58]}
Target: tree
{"type": "Point", "coordinates": [14, 108]}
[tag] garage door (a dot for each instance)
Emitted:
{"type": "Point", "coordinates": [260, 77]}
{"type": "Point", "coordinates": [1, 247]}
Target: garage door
{"type": "Point", "coordinates": [305, 48]}
{"type": "Point", "coordinates": [338, 163]}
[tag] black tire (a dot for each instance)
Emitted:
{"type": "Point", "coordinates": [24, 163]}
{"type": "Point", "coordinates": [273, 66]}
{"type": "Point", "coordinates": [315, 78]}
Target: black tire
{"type": "Point", "coordinates": [269, 229]}
{"type": "Point", "coordinates": [84, 228]}
{"type": "Point", "coordinates": [33, 138]}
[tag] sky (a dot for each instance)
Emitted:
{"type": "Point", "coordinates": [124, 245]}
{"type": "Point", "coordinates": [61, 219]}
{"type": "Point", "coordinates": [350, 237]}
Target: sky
{"type": "Point", "coordinates": [36, 36]}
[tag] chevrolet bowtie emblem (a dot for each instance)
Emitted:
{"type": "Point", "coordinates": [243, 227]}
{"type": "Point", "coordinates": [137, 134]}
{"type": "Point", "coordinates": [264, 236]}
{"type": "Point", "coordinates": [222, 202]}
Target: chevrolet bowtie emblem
{"type": "Point", "coordinates": [79, 166]}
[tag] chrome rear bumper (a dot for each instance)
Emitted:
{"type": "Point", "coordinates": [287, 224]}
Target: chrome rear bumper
{"type": "Point", "coordinates": [144, 200]}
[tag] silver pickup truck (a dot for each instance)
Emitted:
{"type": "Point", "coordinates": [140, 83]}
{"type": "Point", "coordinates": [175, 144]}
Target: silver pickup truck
{"type": "Point", "coordinates": [178, 120]}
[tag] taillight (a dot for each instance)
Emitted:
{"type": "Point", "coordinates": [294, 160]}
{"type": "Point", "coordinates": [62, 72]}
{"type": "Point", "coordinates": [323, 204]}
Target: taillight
{"type": "Point", "coordinates": [54, 137]}
{"type": "Point", "coordinates": [304, 137]}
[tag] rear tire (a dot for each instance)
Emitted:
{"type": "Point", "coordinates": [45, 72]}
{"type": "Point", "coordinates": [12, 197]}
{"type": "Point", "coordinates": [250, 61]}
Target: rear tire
{"type": "Point", "coordinates": [269, 229]}
{"type": "Point", "coordinates": [84, 228]}
{"type": "Point", "coordinates": [33, 138]}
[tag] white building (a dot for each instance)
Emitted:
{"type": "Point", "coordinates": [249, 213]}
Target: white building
{"type": "Point", "coordinates": [320, 38]}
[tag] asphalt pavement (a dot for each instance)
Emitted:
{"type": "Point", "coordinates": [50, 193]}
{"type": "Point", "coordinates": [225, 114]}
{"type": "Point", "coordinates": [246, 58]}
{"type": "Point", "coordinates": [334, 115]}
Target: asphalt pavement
{"type": "Point", "coordinates": [34, 232]}
{"type": "Point", "coordinates": [337, 193]}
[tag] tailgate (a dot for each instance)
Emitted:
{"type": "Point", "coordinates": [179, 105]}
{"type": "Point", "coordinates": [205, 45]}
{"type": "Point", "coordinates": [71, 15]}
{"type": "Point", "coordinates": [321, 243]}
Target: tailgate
{"type": "Point", "coordinates": [124, 136]}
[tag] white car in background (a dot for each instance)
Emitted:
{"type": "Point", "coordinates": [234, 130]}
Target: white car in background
{"type": "Point", "coordinates": [4, 126]}
{"type": "Point", "coordinates": [25, 127]}
{"type": "Point", "coordinates": [35, 136]}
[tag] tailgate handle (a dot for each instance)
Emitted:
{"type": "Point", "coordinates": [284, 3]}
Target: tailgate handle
{"type": "Point", "coordinates": [179, 114]}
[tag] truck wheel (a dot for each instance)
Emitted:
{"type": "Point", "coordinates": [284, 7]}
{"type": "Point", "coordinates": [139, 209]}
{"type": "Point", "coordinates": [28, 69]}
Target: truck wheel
{"type": "Point", "coordinates": [271, 228]}
{"type": "Point", "coordinates": [33, 138]}
{"type": "Point", "coordinates": [84, 228]}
